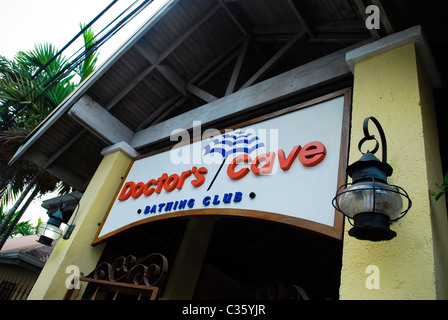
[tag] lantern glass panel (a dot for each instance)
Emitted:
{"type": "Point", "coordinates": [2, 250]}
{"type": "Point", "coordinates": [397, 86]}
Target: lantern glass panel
{"type": "Point", "coordinates": [50, 231]}
{"type": "Point", "coordinates": [371, 197]}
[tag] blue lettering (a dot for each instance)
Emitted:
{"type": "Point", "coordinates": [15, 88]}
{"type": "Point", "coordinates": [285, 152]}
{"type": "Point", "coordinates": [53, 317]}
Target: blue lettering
{"type": "Point", "coordinates": [238, 196]}
{"type": "Point", "coordinates": [206, 201]}
{"type": "Point", "coordinates": [227, 198]}
{"type": "Point", "coordinates": [168, 206]}
{"type": "Point", "coordinates": [182, 204]}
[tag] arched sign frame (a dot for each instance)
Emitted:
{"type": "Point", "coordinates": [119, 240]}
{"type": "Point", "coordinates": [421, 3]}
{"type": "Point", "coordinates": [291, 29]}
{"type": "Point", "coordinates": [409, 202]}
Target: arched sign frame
{"type": "Point", "coordinates": [333, 229]}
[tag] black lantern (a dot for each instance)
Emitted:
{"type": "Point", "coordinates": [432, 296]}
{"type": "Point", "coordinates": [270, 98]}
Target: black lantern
{"type": "Point", "coordinates": [50, 231]}
{"type": "Point", "coordinates": [369, 200]}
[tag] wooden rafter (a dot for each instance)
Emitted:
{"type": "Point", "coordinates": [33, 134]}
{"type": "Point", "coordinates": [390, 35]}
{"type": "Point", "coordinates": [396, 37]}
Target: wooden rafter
{"type": "Point", "coordinates": [383, 17]}
{"type": "Point", "coordinates": [235, 20]}
{"type": "Point", "coordinates": [174, 78]}
{"type": "Point", "coordinates": [171, 103]}
{"type": "Point", "coordinates": [94, 117]}
{"type": "Point", "coordinates": [154, 58]}
{"type": "Point", "coordinates": [200, 78]}
{"type": "Point", "coordinates": [268, 65]}
{"type": "Point", "coordinates": [298, 30]}
{"type": "Point", "coordinates": [57, 170]}
{"type": "Point", "coordinates": [151, 55]}
{"type": "Point", "coordinates": [301, 19]}
{"type": "Point", "coordinates": [362, 10]}
{"type": "Point", "coordinates": [61, 150]}
{"type": "Point", "coordinates": [319, 71]}
{"type": "Point", "coordinates": [385, 21]}
{"type": "Point", "coordinates": [238, 65]}
{"type": "Point", "coordinates": [161, 58]}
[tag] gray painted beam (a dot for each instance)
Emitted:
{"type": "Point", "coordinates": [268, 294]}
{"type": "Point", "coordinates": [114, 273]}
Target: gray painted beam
{"type": "Point", "coordinates": [97, 119]}
{"type": "Point", "coordinates": [300, 79]}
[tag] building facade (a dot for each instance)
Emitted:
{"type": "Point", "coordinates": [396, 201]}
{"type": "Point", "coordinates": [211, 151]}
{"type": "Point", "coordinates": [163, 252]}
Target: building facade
{"type": "Point", "coordinates": [297, 78]}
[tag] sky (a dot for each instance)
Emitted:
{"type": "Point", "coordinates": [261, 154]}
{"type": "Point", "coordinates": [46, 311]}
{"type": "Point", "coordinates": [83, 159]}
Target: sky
{"type": "Point", "coordinates": [27, 22]}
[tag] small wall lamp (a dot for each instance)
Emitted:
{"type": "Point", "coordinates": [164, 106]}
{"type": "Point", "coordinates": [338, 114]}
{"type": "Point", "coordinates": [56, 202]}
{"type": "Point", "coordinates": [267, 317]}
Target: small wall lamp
{"type": "Point", "coordinates": [369, 200]}
{"type": "Point", "coordinates": [51, 231]}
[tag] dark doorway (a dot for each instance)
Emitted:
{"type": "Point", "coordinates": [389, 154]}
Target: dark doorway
{"type": "Point", "coordinates": [244, 256]}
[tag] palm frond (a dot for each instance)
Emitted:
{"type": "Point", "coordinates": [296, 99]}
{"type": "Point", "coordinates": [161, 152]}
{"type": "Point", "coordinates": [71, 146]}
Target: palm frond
{"type": "Point", "coordinates": [39, 57]}
{"type": "Point", "coordinates": [31, 86]}
{"type": "Point", "coordinates": [23, 228]}
{"type": "Point", "coordinates": [88, 65]}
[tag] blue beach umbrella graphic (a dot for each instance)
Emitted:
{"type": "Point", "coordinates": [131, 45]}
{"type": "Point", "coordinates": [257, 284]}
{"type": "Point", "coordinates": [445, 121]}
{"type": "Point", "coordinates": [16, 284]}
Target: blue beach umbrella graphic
{"type": "Point", "coordinates": [230, 144]}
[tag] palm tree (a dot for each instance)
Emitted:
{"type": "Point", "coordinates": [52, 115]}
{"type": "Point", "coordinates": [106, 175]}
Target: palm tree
{"type": "Point", "coordinates": [33, 84]}
{"type": "Point", "coordinates": [22, 228]}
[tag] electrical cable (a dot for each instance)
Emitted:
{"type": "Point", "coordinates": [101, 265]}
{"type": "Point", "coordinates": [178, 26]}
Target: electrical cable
{"type": "Point", "coordinates": [81, 57]}
{"type": "Point", "coordinates": [73, 64]}
{"type": "Point", "coordinates": [92, 41]}
{"type": "Point", "coordinates": [74, 39]}
{"type": "Point", "coordinates": [61, 74]}
{"type": "Point", "coordinates": [69, 68]}
{"type": "Point", "coordinates": [18, 111]}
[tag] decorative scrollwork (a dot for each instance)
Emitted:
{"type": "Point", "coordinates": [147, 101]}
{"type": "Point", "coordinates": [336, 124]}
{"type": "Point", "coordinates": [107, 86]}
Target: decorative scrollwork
{"type": "Point", "coordinates": [148, 271]}
{"type": "Point", "coordinates": [368, 136]}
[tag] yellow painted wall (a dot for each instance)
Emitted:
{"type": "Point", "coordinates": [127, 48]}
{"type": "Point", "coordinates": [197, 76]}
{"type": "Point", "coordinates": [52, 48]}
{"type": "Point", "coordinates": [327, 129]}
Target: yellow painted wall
{"type": "Point", "coordinates": [77, 250]}
{"type": "Point", "coordinates": [392, 88]}
{"type": "Point", "coordinates": [438, 210]}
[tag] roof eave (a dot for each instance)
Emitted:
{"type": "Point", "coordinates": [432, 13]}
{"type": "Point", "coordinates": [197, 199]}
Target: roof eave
{"type": "Point", "coordinates": [82, 89]}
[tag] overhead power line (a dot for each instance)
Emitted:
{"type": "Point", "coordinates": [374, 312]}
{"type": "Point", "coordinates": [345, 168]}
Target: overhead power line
{"type": "Point", "coordinates": [95, 44]}
{"type": "Point", "coordinates": [74, 39]}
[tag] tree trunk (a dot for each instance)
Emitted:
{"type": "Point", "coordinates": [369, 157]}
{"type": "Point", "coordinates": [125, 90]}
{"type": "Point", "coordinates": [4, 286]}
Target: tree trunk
{"type": "Point", "coordinates": [18, 217]}
{"type": "Point", "coordinates": [17, 204]}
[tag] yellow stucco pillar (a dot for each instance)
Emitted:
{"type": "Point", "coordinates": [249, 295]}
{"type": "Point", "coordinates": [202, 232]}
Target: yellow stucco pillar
{"type": "Point", "coordinates": [77, 250]}
{"type": "Point", "coordinates": [393, 82]}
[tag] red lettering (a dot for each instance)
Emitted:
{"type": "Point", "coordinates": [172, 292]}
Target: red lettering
{"type": "Point", "coordinates": [242, 172]}
{"type": "Point", "coordinates": [160, 182]}
{"type": "Point", "coordinates": [285, 164]}
{"type": "Point", "coordinates": [137, 190]}
{"type": "Point", "coordinates": [267, 167]}
{"type": "Point", "coordinates": [171, 182]}
{"type": "Point", "coordinates": [126, 191]}
{"type": "Point", "coordinates": [147, 190]}
{"type": "Point", "coordinates": [184, 175]}
{"type": "Point", "coordinates": [199, 175]}
{"type": "Point", "coordinates": [312, 154]}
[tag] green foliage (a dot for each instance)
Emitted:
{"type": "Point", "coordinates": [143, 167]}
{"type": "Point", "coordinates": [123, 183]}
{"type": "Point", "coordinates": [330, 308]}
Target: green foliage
{"type": "Point", "coordinates": [23, 228]}
{"type": "Point", "coordinates": [28, 96]}
{"type": "Point", "coordinates": [442, 188]}
{"type": "Point", "coordinates": [36, 81]}
{"type": "Point", "coordinates": [87, 67]}
{"type": "Point", "coordinates": [32, 85]}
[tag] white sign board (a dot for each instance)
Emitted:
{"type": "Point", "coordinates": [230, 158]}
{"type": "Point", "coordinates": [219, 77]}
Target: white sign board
{"type": "Point", "coordinates": [283, 168]}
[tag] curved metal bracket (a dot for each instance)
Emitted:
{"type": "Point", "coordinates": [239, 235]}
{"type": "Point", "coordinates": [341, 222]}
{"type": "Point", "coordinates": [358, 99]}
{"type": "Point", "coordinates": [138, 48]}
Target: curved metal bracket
{"type": "Point", "coordinates": [368, 136]}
